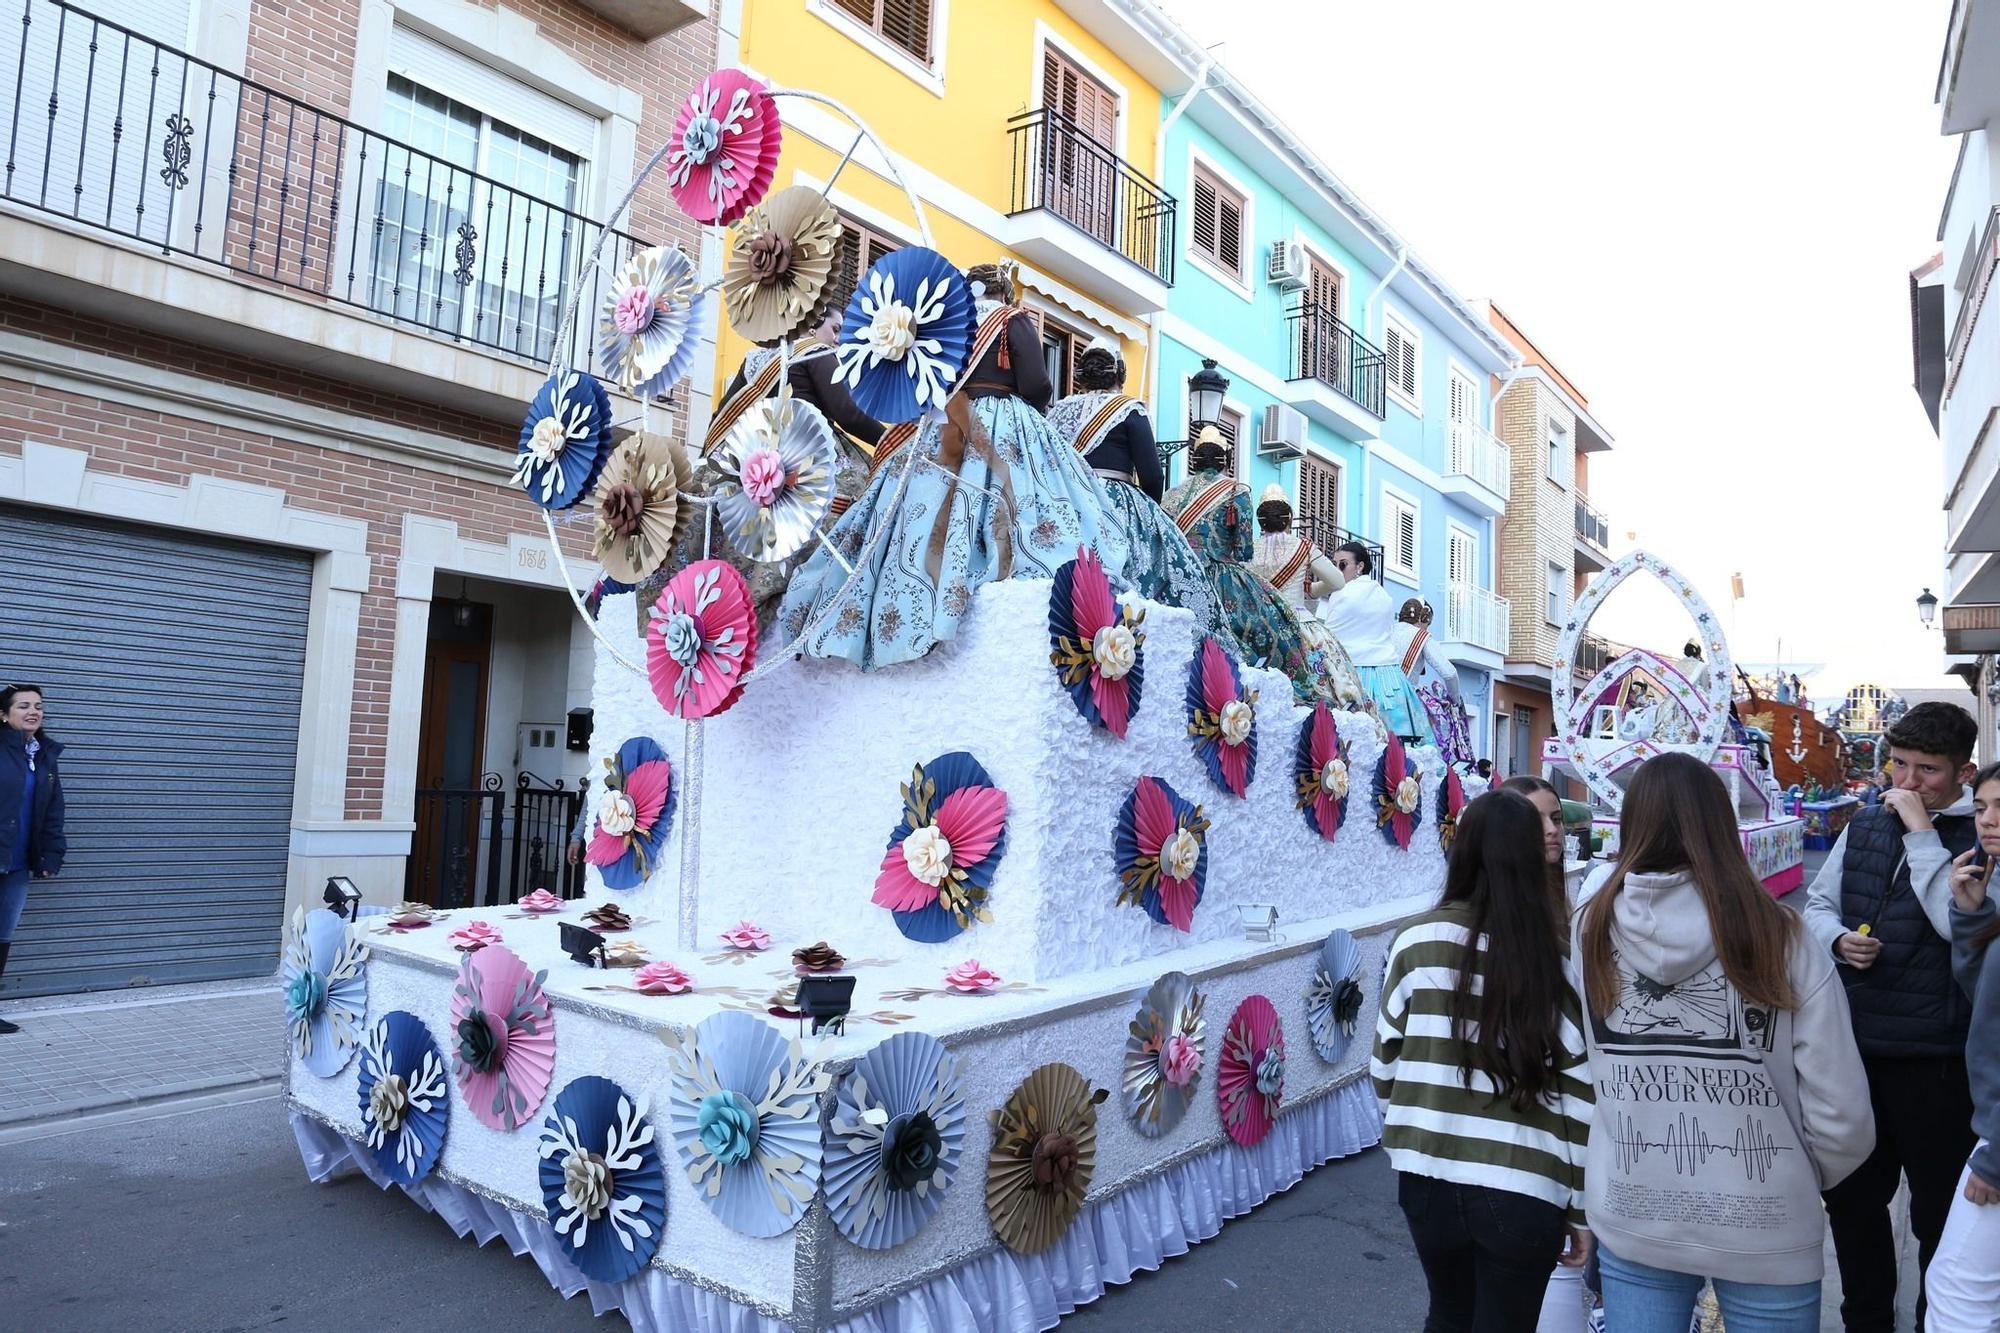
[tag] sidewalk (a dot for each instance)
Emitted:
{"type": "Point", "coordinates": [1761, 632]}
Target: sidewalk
{"type": "Point", "coordinates": [79, 1059]}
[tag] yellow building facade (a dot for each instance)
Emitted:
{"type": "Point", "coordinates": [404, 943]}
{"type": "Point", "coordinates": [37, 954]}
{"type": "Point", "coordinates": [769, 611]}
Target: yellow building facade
{"type": "Point", "coordinates": [1026, 136]}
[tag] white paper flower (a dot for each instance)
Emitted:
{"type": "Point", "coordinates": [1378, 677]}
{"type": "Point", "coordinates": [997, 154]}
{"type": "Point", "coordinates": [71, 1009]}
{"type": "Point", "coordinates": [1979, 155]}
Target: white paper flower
{"type": "Point", "coordinates": [1115, 651]}
{"type": "Point", "coordinates": [928, 855]}
{"type": "Point", "coordinates": [1333, 778]}
{"type": "Point", "coordinates": [389, 1102]}
{"type": "Point", "coordinates": [1180, 854]}
{"type": "Point", "coordinates": [545, 445]}
{"type": "Point", "coordinates": [1235, 721]}
{"type": "Point", "coordinates": [615, 814]}
{"type": "Point", "coordinates": [892, 332]}
{"type": "Point", "coordinates": [587, 1183]}
{"type": "Point", "coordinates": [1406, 795]}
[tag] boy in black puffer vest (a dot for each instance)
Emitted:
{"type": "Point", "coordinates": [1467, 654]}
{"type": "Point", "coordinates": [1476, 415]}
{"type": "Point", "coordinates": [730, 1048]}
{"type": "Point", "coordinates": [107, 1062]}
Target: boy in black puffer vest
{"type": "Point", "coordinates": [1882, 905]}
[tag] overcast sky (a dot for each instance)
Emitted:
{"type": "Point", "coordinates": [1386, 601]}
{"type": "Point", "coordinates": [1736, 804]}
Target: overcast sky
{"type": "Point", "coordinates": [1708, 220]}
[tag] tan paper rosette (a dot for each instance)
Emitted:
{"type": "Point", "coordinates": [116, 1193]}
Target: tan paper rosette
{"type": "Point", "coordinates": [780, 260]}
{"type": "Point", "coordinates": [1044, 1151]}
{"type": "Point", "coordinates": [642, 506]}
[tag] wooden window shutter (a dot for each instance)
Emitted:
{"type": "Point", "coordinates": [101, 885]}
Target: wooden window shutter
{"type": "Point", "coordinates": [860, 9]}
{"type": "Point", "coordinates": [1229, 233]}
{"type": "Point", "coordinates": [907, 23]}
{"type": "Point", "coordinates": [1204, 215]}
{"type": "Point", "coordinates": [1461, 398]}
{"type": "Point", "coordinates": [1458, 564]}
{"type": "Point", "coordinates": [1326, 289]}
{"type": "Point", "coordinates": [1085, 102]}
{"type": "Point", "coordinates": [1319, 491]}
{"type": "Point", "coordinates": [1405, 537]}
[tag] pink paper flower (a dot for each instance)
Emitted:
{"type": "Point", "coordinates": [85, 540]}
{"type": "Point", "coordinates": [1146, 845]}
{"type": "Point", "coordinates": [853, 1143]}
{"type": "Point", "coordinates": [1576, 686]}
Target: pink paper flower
{"type": "Point", "coordinates": [747, 935]}
{"type": "Point", "coordinates": [1180, 1061]}
{"type": "Point", "coordinates": [541, 900]}
{"type": "Point", "coordinates": [633, 312]}
{"type": "Point", "coordinates": [971, 977]}
{"type": "Point", "coordinates": [763, 476]}
{"type": "Point", "coordinates": [474, 935]}
{"type": "Point", "coordinates": [661, 978]}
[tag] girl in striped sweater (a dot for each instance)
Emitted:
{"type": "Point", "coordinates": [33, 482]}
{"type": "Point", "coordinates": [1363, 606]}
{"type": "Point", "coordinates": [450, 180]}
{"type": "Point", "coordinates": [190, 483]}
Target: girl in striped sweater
{"type": "Point", "coordinates": [1481, 1076]}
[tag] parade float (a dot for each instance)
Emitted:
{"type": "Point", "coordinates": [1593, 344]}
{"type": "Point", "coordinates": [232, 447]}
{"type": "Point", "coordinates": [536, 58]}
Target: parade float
{"type": "Point", "coordinates": [939, 996]}
{"type": "Point", "coordinates": [1641, 704]}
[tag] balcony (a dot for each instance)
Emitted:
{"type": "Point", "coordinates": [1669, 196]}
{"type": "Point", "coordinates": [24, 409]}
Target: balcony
{"type": "Point", "coordinates": [1067, 187]}
{"type": "Point", "coordinates": [146, 186]}
{"type": "Point", "coordinates": [1592, 655]}
{"type": "Point", "coordinates": [1476, 626]}
{"type": "Point", "coordinates": [1337, 376]}
{"type": "Point", "coordinates": [1330, 537]}
{"type": "Point", "coordinates": [1593, 538]}
{"type": "Point", "coordinates": [1971, 395]}
{"type": "Point", "coordinates": [1476, 465]}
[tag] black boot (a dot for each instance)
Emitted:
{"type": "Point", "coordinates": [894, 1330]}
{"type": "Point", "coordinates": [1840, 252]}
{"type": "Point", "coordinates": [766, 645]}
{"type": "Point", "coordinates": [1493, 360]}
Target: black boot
{"type": "Point", "coordinates": [6, 1028]}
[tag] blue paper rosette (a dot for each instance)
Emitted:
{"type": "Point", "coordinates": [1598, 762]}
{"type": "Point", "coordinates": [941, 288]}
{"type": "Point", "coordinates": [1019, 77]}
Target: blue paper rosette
{"type": "Point", "coordinates": [906, 335]}
{"type": "Point", "coordinates": [1399, 795]}
{"type": "Point", "coordinates": [746, 1116]}
{"type": "Point", "coordinates": [602, 1180]}
{"type": "Point", "coordinates": [405, 1096]}
{"type": "Point", "coordinates": [1098, 646]}
{"type": "Point", "coordinates": [634, 815]}
{"type": "Point", "coordinates": [324, 977]}
{"type": "Point", "coordinates": [939, 867]}
{"type": "Point", "coordinates": [895, 1140]}
{"type": "Point", "coordinates": [1161, 851]}
{"type": "Point", "coordinates": [1222, 718]}
{"type": "Point", "coordinates": [1333, 999]}
{"type": "Point", "coordinates": [565, 440]}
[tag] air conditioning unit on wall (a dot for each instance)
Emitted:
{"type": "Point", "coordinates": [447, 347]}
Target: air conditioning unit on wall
{"type": "Point", "coordinates": [1283, 434]}
{"type": "Point", "coordinates": [1287, 268]}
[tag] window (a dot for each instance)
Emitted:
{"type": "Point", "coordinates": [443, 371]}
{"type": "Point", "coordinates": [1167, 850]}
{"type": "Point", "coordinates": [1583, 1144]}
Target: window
{"type": "Point", "coordinates": [456, 254]}
{"type": "Point", "coordinates": [1559, 452]}
{"type": "Point", "coordinates": [1558, 593]}
{"type": "Point", "coordinates": [1218, 222]}
{"type": "Point", "coordinates": [1401, 352]}
{"type": "Point", "coordinates": [1461, 562]}
{"type": "Point", "coordinates": [1079, 138]}
{"type": "Point", "coordinates": [860, 246]}
{"type": "Point", "coordinates": [904, 24]}
{"type": "Point", "coordinates": [1399, 537]}
{"type": "Point", "coordinates": [1230, 423]}
{"type": "Point", "coordinates": [1319, 492]}
{"type": "Point", "coordinates": [1061, 345]}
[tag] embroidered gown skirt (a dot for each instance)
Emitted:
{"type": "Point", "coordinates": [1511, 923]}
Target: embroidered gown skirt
{"type": "Point", "coordinates": [1396, 702]}
{"type": "Point", "coordinates": [925, 535]}
{"type": "Point", "coordinates": [1159, 565]}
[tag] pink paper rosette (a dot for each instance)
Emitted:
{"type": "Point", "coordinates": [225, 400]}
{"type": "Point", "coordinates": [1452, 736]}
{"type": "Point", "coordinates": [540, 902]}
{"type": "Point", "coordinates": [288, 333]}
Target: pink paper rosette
{"type": "Point", "coordinates": [1222, 718]}
{"type": "Point", "coordinates": [747, 936]}
{"type": "Point", "coordinates": [1451, 800]}
{"type": "Point", "coordinates": [939, 867]}
{"type": "Point", "coordinates": [702, 640]}
{"type": "Point", "coordinates": [661, 978]}
{"type": "Point", "coordinates": [634, 815]}
{"type": "Point", "coordinates": [503, 1037]}
{"type": "Point", "coordinates": [1399, 795]}
{"type": "Point", "coordinates": [474, 935]}
{"type": "Point", "coordinates": [1320, 773]}
{"type": "Point", "coordinates": [541, 900]}
{"type": "Point", "coordinates": [972, 977]}
{"type": "Point", "coordinates": [1161, 847]}
{"type": "Point", "coordinates": [1097, 645]}
{"type": "Point", "coordinates": [1250, 1077]}
{"type": "Point", "coordinates": [726, 142]}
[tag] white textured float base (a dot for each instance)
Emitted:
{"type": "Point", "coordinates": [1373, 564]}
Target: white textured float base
{"type": "Point", "coordinates": [799, 793]}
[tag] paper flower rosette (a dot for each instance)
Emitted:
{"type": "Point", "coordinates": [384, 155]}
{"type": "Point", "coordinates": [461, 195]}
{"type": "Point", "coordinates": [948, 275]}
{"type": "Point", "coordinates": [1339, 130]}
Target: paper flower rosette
{"type": "Point", "coordinates": [893, 1145]}
{"type": "Point", "coordinates": [540, 902]}
{"type": "Point", "coordinates": [906, 335]}
{"type": "Point", "coordinates": [726, 142]}
{"type": "Point", "coordinates": [643, 506]}
{"type": "Point", "coordinates": [474, 935]}
{"type": "Point", "coordinates": [1320, 774]}
{"type": "Point", "coordinates": [747, 937]}
{"type": "Point", "coordinates": [405, 1097]}
{"type": "Point", "coordinates": [777, 277]}
{"type": "Point", "coordinates": [1163, 1055]}
{"type": "Point", "coordinates": [652, 322]}
{"type": "Point", "coordinates": [1044, 1153]}
{"type": "Point", "coordinates": [1451, 800]}
{"type": "Point", "coordinates": [775, 478]}
{"type": "Point", "coordinates": [745, 1113]}
{"type": "Point", "coordinates": [939, 867]}
{"type": "Point", "coordinates": [701, 640]}
{"type": "Point", "coordinates": [972, 977]}
{"type": "Point", "coordinates": [603, 1184]}
{"type": "Point", "coordinates": [1250, 1076]}
{"type": "Point", "coordinates": [1222, 718]}
{"type": "Point", "coordinates": [324, 977]}
{"type": "Point", "coordinates": [565, 440]}
{"type": "Point", "coordinates": [504, 1037]}
{"type": "Point", "coordinates": [1097, 645]}
{"type": "Point", "coordinates": [1162, 853]}
{"type": "Point", "coordinates": [634, 815]}
{"type": "Point", "coordinates": [662, 978]}
{"type": "Point", "coordinates": [1399, 795]}
{"type": "Point", "coordinates": [1333, 1000]}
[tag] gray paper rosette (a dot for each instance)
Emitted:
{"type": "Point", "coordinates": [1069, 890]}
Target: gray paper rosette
{"type": "Point", "coordinates": [894, 1144]}
{"type": "Point", "coordinates": [1163, 1055]}
{"type": "Point", "coordinates": [775, 478]}
{"type": "Point", "coordinates": [1333, 1000]}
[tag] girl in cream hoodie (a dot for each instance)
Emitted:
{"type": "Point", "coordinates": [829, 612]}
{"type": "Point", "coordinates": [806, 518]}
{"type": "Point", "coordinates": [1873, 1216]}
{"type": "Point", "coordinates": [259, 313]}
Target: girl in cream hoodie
{"type": "Point", "coordinates": [1729, 1091]}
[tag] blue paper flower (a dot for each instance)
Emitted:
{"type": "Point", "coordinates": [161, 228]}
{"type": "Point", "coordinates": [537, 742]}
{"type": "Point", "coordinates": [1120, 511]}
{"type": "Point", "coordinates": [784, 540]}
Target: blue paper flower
{"type": "Point", "coordinates": [405, 1097]}
{"type": "Point", "coordinates": [634, 815]}
{"type": "Point", "coordinates": [894, 1144]}
{"type": "Point", "coordinates": [602, 1180]}
{"type": "Point", "coordinates": [326, 989]}
{"type": "Point", "coordinates": [565, 440]}
{"type": "Point", "coordinates": [939, 867]}
{"type": "Point", "coordinates": [906, 336]}
{"type": "Point", "coordinates": [728, 1127]}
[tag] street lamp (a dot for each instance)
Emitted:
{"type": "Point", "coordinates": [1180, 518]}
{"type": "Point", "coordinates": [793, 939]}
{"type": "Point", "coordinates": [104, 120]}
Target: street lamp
{"type": "Point", "coordinates": [1927, 607]}
{"type": "Point", "coordinates": [1207, 389]}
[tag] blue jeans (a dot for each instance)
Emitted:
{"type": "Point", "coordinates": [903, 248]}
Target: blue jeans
{"type": "Point", "coordinates": [1639, 1298]}
{"type": "Point", "coordinates": [13, 897]}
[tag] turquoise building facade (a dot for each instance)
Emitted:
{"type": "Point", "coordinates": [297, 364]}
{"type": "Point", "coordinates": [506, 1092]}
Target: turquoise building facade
{"type": "Point", "coordinates": [1359, 381]}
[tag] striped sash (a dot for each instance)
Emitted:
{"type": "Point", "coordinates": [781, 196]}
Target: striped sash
{"type": "Point", "coordinates": [1093, 431]}
{"type": "Point", "coordinates": [755, 390]}
{"type": "Point", "coordinates": [1301, 557]}
{"type": "Point", "coordinates": [991, 330]}
{"type": "Point", "coordinates": [1415, 653]}
{"type": "Point", "coordinates": [1222, 489]}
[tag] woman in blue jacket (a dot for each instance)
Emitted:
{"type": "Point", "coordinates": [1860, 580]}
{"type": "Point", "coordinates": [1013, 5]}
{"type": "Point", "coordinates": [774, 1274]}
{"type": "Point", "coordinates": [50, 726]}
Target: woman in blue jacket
{"type": "Point", "coordinates": [31, 809]}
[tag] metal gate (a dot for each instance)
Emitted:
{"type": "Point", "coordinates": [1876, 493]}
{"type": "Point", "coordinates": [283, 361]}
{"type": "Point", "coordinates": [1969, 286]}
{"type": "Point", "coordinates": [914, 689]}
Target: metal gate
{"type": "Point", "coordinates": [484, 854]}
{"type": "Point", "coordinates": [173, 665]}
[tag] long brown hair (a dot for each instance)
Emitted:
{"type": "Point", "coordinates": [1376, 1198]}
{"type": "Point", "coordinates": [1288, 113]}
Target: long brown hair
{"type": "Point", "coordinates": [1511, 1031]}
{"type": "Point", "coordinates": [1527, 784]}
{"type": "Point", "coordinates": [1991, 931]}
{"type": "Point", "coordinates": [1677, 816]}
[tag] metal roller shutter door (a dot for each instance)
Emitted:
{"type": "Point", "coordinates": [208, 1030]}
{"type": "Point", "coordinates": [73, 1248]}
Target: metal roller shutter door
{"type": "Point", "coordinates": [174, 666]}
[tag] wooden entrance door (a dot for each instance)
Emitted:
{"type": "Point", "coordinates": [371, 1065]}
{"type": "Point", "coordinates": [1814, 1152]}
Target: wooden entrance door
{"type": "Point", "coordinates": [1079, 155]}
{"type": "Point", "coordinates": [1324, 350]}
{"type": "Point", "coordinates": [451, 755]}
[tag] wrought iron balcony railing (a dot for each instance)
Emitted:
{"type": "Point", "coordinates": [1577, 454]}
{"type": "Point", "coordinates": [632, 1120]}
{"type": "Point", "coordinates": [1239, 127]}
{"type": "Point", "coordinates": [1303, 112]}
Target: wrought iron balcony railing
{"type": "Point", "coordinates": [112, 131]}
{"type": "Point", "coordinates": [1324, 348]}
{"type": "Point", "coordinates": [1061, 167]}
{"type": "Point", "coordinates": [1330, 537]}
